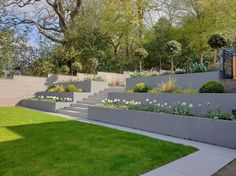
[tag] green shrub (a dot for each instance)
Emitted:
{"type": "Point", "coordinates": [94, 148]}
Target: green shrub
{"type": "Point", "coordinates": [73, 88]}
{"type": "Point", "coordinates": [65, 69]}
{"type": "Point", "coordinates": [56, 88]}
{"type": "Point", "coordinates": [212, 87]}
{"type": "Point", "coordinates": [141, 87]}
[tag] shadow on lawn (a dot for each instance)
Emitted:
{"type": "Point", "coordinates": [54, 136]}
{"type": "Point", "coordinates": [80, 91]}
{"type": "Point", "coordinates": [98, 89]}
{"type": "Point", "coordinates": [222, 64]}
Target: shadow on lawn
{"type": "Point", "coordinates": [74, 148]}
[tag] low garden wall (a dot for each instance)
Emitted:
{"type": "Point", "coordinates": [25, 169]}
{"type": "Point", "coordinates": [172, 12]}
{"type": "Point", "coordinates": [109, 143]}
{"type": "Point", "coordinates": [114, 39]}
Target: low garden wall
{"type": "Point", "coordinates": [193, 80]}
{"type": "Point", "coordinates": [75, 96]}
{"type": "Point", "coordinates": [89, 86]}
{"type": "Point", "coordinates": [216, 132]}
{"type": "Point", "coordinates": [44, 105]}
{"type": "Point", "coordinates": [226, 101]}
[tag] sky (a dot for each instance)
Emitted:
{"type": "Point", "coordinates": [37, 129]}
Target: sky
{"type": "Point", "coordinates": [30, 11]}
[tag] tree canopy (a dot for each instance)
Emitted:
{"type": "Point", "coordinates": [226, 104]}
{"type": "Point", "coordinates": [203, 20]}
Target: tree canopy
{"type": "Point", "coordinates": [73, 31]}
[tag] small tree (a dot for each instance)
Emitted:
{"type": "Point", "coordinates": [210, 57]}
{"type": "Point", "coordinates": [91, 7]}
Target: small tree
{"type": "Point", "coordinates": [142, 54]}
{"type": "Point", "coordinates": [65, 69]}
{"type": "Point", "coordinates": [216, 42]}
{"type": "Point", "coordinates": [173, 48]}
{"type": "Point", "coordinates": [77, 66]}
{"type": "Point", "coordinates": [93, 63]}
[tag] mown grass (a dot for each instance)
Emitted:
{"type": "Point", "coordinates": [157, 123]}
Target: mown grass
{"type": "Point", "coordinates": [38, 144]}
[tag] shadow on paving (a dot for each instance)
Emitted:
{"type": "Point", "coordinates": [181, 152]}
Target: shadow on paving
{"type": "Point", "coordinates": [80, 149]}
{"type": "Point", "coordinates": [229, 170]}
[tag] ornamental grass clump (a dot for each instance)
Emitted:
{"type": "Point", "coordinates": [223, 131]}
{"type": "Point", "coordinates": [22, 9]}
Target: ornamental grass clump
{"type": "Point", "coordinates": [73, 88]}
{"type": "Point", "coordinates": [168, 87]}
{"type": "Point", "coordinates": [56, 88]}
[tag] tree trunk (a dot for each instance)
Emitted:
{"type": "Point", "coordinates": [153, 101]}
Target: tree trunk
{"type": "Point", "coordinates": [202, 59]}
{"type": "Point", "coordinates": [215, 57]}
{"type": "Point", "coordinates": [160, 65]}
{"type": "Point", "coordinates": [172, 65]}
{"type": "Point", "coordinates": [140, 65]}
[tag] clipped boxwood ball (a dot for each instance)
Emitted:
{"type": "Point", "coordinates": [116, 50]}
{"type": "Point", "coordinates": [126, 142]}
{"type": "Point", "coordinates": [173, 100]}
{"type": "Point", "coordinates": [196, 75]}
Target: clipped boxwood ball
{"type": "Point", "coordinates": [212, 87]}
{"type": "Point", "coordinates": [141, 87]}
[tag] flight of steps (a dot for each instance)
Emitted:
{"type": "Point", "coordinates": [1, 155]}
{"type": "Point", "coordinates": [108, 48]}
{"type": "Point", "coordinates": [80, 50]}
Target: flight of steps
{"type": "Point", "coordinates": [80, 108]}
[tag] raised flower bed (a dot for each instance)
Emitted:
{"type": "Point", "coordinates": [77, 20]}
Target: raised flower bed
{"type": "Point", "coordinates": [225, 101]}
{"type": "Point", "coordinates": [74, 96]}
{"type": "Point", "coordinates": [193, 80]}
{"type": "Point", "coordinates": [211, 131]}
{"type": "Point", "coordinates": [48, 103]}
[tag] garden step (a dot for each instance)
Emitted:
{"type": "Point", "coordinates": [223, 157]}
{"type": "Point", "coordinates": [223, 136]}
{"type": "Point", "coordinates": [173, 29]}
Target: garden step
{"type": "Point", "coordinates": [89, 102]}
{"type": "Point", "coordinates": [82, 105]}
{"type": "Point", "coordinates": [73, 113]}
{"type": "Point", "coordinates": [93, 99]}
{"type": "Point", "coordinates": [79, 109]}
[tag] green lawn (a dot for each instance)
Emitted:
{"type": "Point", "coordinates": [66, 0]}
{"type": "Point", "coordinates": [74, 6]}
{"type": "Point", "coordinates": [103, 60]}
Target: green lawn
{"type": "Point", "coordinates": [34, 143]}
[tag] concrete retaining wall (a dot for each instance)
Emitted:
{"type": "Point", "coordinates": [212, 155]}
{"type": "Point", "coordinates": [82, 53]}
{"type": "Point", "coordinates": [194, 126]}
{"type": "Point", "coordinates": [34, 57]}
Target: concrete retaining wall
{"type": "Point", "coordinates": [184, 81]}
{"type": "Point", "coordinates": [216, 132]}
{"type": "Point", "coordinates": [226, 101]}
{"type": "Point", "coordinates": [13, 90]}
{"type": "Point", "coordinates": [43, 105]}
{"type": "Point", "coordinates": [89, 86]}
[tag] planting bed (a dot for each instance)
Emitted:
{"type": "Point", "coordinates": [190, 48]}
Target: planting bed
{"type": "Point", "coordinates": [217, 132]}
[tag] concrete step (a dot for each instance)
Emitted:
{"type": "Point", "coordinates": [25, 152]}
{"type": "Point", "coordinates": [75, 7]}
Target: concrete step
{"type": "Point", "coordinates": [98, 96]}
{"type": "Point", "coordinates": [89, 102]}
{"type": "Point", "coordinates": [73, 113]}
{"type": "Point", "coordinates": [82, 105]}
{"type": "Point", "coordinates": [79, 109]}
{"type": "Point", "coordinates": [93, 99]}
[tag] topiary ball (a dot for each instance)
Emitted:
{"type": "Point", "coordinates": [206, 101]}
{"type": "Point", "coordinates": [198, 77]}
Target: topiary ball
{"type": "Point", "coordinates": [141, 87]}
{"type": "Point", "coordinates": [71, 88]}
{"type": "Point", "coordinates": [212, 87]}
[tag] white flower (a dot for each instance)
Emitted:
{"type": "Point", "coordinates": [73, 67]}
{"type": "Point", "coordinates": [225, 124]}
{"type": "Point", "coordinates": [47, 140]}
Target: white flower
{"type": "Point", "coordinates": [150, 102]}
{"type": "Point", "coordinates": [199, 105]}
{"type": "Point", "coordinates": [154, 101]}
{"type": "Point", "coordinates": [190, 105]}
{"type": "Point", "coordinates": [103, 101]}
{"type": "Point", "coordinates": [124, 101]}
{"type": "Point", "coordinates": [208, 103]}
{"type": "Point", "coordinates": [158, 104]}
{"type": "Point", "coordinates": [118, 100]}
{"type": "Point", "coordinates": [165, 104]}
{"type": "Point", "coordinates": [184, 103]}
{"type": "Point", "coordinates": [147, 100]}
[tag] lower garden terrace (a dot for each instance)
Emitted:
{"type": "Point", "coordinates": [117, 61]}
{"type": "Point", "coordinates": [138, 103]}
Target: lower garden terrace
{"type": "Point", "coordinates": [35, 143]}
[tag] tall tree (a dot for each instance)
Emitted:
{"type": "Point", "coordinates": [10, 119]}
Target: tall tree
{"type": "Point", "coordinates": [52, 18]}
{"type": "Point", "coordinates": [7, 50]}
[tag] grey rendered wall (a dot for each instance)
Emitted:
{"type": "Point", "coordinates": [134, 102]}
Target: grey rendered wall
{"type": "Point", "coordinates": [226, 101]}
{"type": "Point", "coordinates": [90, 86]}
{"type": "Point", "coordinates": [44, 106]}
{"type": "Point", "coordinates": [217, 132]}
{"type": "Point", "coordinates": [184, 81]}
{"type": "Point", "coordinates": [76, 96]}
